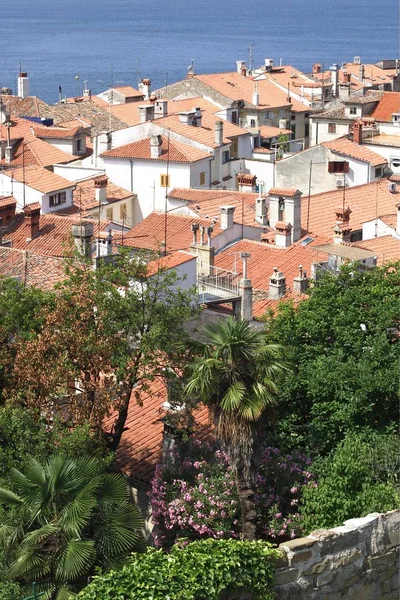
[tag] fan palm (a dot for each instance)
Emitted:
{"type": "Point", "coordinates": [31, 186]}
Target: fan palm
{"type": "Point", "coordinates": [236, 376]}
{"type": "Point", "coordinates": [67, 516]}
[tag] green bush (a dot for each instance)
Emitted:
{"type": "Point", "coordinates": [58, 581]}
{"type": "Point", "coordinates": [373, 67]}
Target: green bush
{"type": "Point", "coordinates": [360, 477]}
{"type": "Point", "coordinates": [197, 571]}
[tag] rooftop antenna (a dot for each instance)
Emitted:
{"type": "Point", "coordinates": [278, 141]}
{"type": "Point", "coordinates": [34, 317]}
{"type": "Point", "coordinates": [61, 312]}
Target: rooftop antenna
{"type": "Point", "coordinates": [191, 67]}
{"type": "Point", "coordinates": [250, 57]}
{"type": "Point", "coordinates": [110, 100]}
{"type": "Point", "coordinates": [166, 198]}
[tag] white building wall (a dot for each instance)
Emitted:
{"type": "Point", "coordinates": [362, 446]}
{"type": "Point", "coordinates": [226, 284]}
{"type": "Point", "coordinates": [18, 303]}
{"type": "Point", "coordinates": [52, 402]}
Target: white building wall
{"type": "Point", "coordinates": [16, 189]}
{"type": "Point", "coordinates": [75, 173]}
{"type": "Point", "coordinates": [64, 145]}
{"type": "Point", "coordinates": [319, 131]}
{"type": "Point", "coordinates": [202, 166]}
{"type": "Point", "coordinates": [376, 228]}
{"type": "Point", "coordinates": [262, 169]}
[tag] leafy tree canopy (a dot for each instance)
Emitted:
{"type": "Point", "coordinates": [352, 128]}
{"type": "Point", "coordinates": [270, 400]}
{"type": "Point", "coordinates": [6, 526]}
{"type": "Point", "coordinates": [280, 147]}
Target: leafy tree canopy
{"type": "Point", "coordinates": [197, 571]}
{"type": "Point", "coordinates": [343, 341]}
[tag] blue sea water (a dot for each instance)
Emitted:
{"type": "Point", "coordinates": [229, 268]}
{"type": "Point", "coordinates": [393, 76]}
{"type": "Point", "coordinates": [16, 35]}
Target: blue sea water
{"type": "Point", "coordinates": [120, 41]}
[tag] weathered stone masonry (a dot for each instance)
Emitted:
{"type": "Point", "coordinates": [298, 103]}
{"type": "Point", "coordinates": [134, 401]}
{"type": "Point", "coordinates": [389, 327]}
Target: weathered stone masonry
{"type": "Point", "coordinates": [358, 561]}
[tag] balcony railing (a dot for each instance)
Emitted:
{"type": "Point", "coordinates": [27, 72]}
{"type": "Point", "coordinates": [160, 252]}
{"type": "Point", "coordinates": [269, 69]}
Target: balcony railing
{"type": "Point", "coordinates": [219, 280]}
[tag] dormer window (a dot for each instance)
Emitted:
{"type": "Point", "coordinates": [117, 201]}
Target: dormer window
{"type": "Point", "coordinates": [353, 110]}
{"type": "Point", "coordinates": [79, 145]}
{"type": "Point", "coordinates": [396, 118]}
{"type": "Point", "coordinates": [57, 199]}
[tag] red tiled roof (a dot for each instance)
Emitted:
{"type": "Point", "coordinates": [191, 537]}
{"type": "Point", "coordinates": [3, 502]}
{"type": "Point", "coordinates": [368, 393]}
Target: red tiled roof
{"type": "Point", "coordinates": [7, 200]}
{"type": "Point", "coordinates": [128, 91]}
{"type": "Point", "coordinates": [171, 261]}
{"type": "Point", "coordinates": [140, 449]}
{"type": "Point", "coordinates": [30, 268]}
{"type": "Point", "coordinates": [267, 131]}
{"type": "Point", "coordinates": [365, 202]}
{"type": "Point", "coordinates": [346, 147]}
{"type": "Point", "coordinates": [40, 179]}
{"type": "Point", "coordinates": [58, 132]}
{"type": "Point", "coordinates": [207, 203]}
{"type": "Point", "coordinates": [150, 233]}
{"type": "Point", "coordinates": [54, 236]}
{"type": "Point", "coordinates": [171, 151]}
{"type": "Point", "coordinates": [289, 192]}
{"type": "Point", "coordinates": [85, 195]}
{"type": "Point", "coordinates": [386, 247]}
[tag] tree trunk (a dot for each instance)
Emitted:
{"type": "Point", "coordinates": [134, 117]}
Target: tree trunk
{"type": "Point", "coordinates": [119, 423]}
{"type": "Point", "coordinates": [247, 505]}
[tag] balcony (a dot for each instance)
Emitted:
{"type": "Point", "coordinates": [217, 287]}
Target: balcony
{"type": "Point", "coordinates": [218, 285]}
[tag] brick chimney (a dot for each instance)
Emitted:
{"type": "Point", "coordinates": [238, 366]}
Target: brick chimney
{"type": "Point", "coordinates": [346, 77]}
{"type": "Point", "coordinates": [357, 132]}
{"type": "Point", "coordinates": [31, 220]}
{"type": "Point", "coordinates": [144, 88]}
{"type": "Point", "coordinates": [100, 186]}
{"type": "Point", "coordinates": [316, 68]}
{"type": "Point", "coordinates": [219, 133]}
{"type": "Point", "coordinates": [246, 182]}
{"type": "Point", "coordinates": [7, 210]}
{"type": "Point", "coordinates": [342, 229]}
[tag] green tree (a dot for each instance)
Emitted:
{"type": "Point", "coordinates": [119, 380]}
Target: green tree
{"type": "Point", "coordinates": [343, 343]}
{"type": "Point", "coordinates": [358, 478]}
{"type": "Point", "coordinates": [66, 517]}
{"type": "Point", "coordinates": [111, 329]}
{"type": "Point", "coordinates": [236, 376]}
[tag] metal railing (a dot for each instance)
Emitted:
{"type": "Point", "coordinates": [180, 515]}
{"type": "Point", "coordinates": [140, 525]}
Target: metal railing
{"type": "Point", "coordinates": [219, 279]}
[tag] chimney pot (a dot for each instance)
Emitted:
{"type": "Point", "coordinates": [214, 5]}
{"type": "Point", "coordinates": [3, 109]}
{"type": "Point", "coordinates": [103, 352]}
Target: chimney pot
{"type": "Point", "coordinates": [227, 215]}
{"type": "Point", "coordinates": [357, 132]}
{"type": "Point", "coordinates": [83, 234]}
{"type": "Point", "coordinates": [32, 219]}
{"type": "Point", "coordinates": [219, 133]}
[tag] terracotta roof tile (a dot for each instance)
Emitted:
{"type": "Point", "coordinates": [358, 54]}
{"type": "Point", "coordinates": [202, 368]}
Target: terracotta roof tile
{"type": "Point", "coordinates": [365, 202]}
{"type": "Point", "coordinates": [150, 233]}
{"type": "Point", "coordinates": [85, 195]}
{"type": "Point", "coordinates": [267, 131]}
{"type": "Point", "coordinates": [171, 151]}
{"type": "Point", "coordinates": [30, 268]}
{"type": "Point", "coordinates": [40, 179]}
{"type": "Point", "coordinates": [140, 449]}
{"type": "Point", "coordinates": [386, 247]}
{"type": "Point", "coordinates": [207, 203]}
{"type": "Point", "coordinates": [128, 91]}
{"type": "Point", "coordinates": [346, 147]}
{"type": "Point", "coordinates": [388, 104]}
{"type": "Point", "coordinates": [290, 192]}
{"type": "Point", "coordinates": [57, 132]}
{"type": "Point", "coordinates": [54, 237]}
{"type": "Point", "coordinates": [171, 261]}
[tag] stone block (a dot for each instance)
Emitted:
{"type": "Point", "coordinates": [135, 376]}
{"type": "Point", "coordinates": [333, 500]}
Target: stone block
{"type": "Point", "coordinates": [284, 576]}
{"type": "Point", "coordinates": [297, 544]}
{"type": "Point", "coordinates": [320, 534]}
{"type": "Point", "coordinates": [386, 587]}
{"type": "Point", "coordinates": [339, 543]}
{"type": "Point", "coordinates": [300, 557]}
{"type": "Point", "coordinates": [325, 578]}
{"type": "Point", "coordinates": [396, 581]}
{"type": "Point", "coordinates": [394, 535]}
{"type": "Point", "coordinates": [382, 559]}
{"type": "Point", "coordinates": [317, 568]}
{"type": "Point", "coordinates": [345, 559]}
{"type": "Point", "coordinates": [369, 591]}
{"type": "Point", "coordinates": [282, 561]}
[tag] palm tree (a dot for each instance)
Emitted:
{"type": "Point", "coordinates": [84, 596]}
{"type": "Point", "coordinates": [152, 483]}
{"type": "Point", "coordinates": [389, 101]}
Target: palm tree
{"type": "Point", "coordinates": [66, 517]}
{"type": "Point", "coordinates": [236, 377]}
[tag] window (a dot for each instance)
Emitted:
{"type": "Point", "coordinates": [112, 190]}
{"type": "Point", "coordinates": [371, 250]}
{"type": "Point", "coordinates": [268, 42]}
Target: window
{"type": "Point", "coordinates": [353, 110]}
{"type": "Point", "coordinates": [331, 127]}
{"type": "Point", "coordinates": [234, 116]}
{"type": "Point", "coordinates": [338, 166]}
{"type": "Point", "coordinates": [109, 214]}
{"type": "Point", "coordinates": [234, 148]}
{"type": "Point", "coordinates": [225, 156]}
{"type": "Point", "coordinates": [202, 177]}
{"type": "Point", "coordinates": [252, 122]}
{"type": "Point", "coordinates": [293, 117]}
{"type": "Point", "coordinates": [57, 199]}
{"type": "Point", "coordinates": [378, 172]}
{"type": "Point", "coordinates": [79, 145]}
{"type": "Point", "coordinates": [267, 116]}
{"type": "Point", "coordinates": [164, 180]}
{"type": "Point", "coordinates": [122, 212]}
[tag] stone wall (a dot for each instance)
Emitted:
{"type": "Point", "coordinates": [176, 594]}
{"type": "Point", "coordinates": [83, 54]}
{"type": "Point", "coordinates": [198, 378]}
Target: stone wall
{"type": "Point", "coordinates": [358, 561]}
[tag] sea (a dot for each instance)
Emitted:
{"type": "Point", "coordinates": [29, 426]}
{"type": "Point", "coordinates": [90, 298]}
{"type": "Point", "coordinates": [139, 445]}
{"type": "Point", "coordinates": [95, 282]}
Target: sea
{"type": "Point", "coordinates": [116, 42]}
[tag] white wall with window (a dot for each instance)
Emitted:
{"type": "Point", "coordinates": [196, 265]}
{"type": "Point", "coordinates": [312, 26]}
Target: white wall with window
{"type": "Point", "coordinates": [322, 130]}
{"type": "Point", "coordinates": [23, 194]}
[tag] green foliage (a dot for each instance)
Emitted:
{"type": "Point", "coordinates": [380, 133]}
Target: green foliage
{"type": "Point", "coordinates": [10, 590]}
{"type": "Point", "coordinates": [65, 517]}
{"type": "Point", "coordinates": [342, 342]}
{"type": "Point", "coordinates": [360, 477]}
{"type": "Point", "coordinates": [197, 571]}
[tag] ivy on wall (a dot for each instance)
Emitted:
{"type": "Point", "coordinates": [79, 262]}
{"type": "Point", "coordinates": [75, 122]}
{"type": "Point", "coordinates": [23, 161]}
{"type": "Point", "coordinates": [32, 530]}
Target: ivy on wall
{"type": "Point", "coordinates": [200, 570]}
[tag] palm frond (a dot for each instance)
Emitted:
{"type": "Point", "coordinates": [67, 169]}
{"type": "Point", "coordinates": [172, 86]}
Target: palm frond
{"type": "Point", "coordinates": [233, 397]}
{"type": "Point", "coordinates": [8, 497]}
{"type": "Point", "coordinates": [120, 529]}
{"type": "Point", "coordinates": [76, 560]}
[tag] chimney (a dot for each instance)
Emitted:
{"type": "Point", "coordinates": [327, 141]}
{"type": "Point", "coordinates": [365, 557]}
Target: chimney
{"type": "Point", "coordinates": [300, 283]}
{"type": "Point", "coordinates": [335, 79]}
{"type": "Point", "coordinates": [144, 88]}
{"type": "Point", "coordinates": [342, 229]}
{"type": "Point", "coordinates": [269, 63]}
{"type": "Point", "coordinates": [146, 112]}
{"type": "Point", "coordinates": [7, 210]}
{"type": "Point", "coordinates": [261, 211]}
{"type": "Point", "coordinates": [316, 68]}
{"type": "Point", "coordinates": [9, 154]}
{"type": "Point", "coordinates": [240, 66]}
{"type": "Point", "coordinates": [104, 142]}
{"type": "Point", "coordinates": [283, 234]}
{"type": "Point", "coordinates": [205, 252]}
{"type": "Point", "coordinates": [256, 96]}
{"type": "Point", "coordinates": [82, 235]}
{"type": "Point", "coordinates": [31, 220]}
{"type": "Point", "coordinates": [285, 205]}
{"type": "Point", "coordinates": [246, 182]}
{"type": "Point", "coordinates": [357, 132]}
{"type": "Point", "coordinates": [277, 285]}
{"type": "Point", "coordinates": [100, 186]}
{"type": "Point", "coordinates": [219, 133]}
{"type": "Point", "coordinates": [160, 108]}
{"type": "Point", "coordinates": [361, 73]}
{"type": "Point", "coordinates": [227, 214]}
{"type": "Point", "coordinates": [346, 77]}
{"type": "Point", "coordinates": [155, 146]}
{"type": "Point", "coordinates": [197, 117]}
{"type": "Point", "coordinates": [104, 245]}
{"type": "Point", "coordinates": [246, 291]}
{"type": "Point", "coordinates": [23, 85]}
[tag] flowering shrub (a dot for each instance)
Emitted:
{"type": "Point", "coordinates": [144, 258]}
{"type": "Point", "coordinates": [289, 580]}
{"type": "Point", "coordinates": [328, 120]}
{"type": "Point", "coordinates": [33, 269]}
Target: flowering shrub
{"type": "Point", "coordinates": [195, 497]}
{"type": "Point", "coordinates": [278, 489]}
